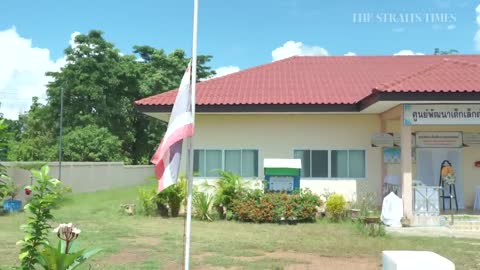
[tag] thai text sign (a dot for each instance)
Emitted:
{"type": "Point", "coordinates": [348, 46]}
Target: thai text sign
{"type": "Point", "coordinates": [279, 183]}
{"type": "Point", "coordinates": [441, 114]}
{"type": "Point", "coordinates": [439, 139]}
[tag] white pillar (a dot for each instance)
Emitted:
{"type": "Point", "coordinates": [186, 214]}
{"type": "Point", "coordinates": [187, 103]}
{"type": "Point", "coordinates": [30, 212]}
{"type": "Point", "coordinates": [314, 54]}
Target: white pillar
{"type": "Point", "coordinates": [406, 169]}
{"type": "Point", "coordinates": [383, 165]}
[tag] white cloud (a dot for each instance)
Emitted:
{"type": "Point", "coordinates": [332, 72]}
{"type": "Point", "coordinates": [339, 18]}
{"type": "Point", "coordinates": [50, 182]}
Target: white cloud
{"type": "Point", "coordinates": [222, 71]}
{"type": "Point", "coordinates": [22, 72]}
{"type": "Point", "coordinates": [451, 26]}
{"type": "Point", "coordinates": [72, 39]}
{"type": "Point", "coordinates": [477, 35]}
{"type": "Point", "coordinates": [408, 52]}
{"type": "Point", "coordinates": [399, 29]}
{"type": "Point", "coordinates": [350, 54]}
{"type": "Point", "coordinates": [292, 48]}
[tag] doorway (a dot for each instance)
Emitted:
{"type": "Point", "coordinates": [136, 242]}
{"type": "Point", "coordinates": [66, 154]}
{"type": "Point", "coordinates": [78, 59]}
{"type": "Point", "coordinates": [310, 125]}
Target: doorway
{"type": "Point", "coordinates": [429, 161]}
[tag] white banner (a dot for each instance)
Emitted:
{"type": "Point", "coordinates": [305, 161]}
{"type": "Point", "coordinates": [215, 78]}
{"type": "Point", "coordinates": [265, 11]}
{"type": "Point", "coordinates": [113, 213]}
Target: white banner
{"type": "Point", "coordinates": [397, 140]}
{"type": "Point", "coordinates": [382, 140]}
{"type": "Point", "coordinates": [441, 114]}
{"type": "Point", "coordinates": [471, 139]}
{"type": "Point", "coordinates": [447, 139]}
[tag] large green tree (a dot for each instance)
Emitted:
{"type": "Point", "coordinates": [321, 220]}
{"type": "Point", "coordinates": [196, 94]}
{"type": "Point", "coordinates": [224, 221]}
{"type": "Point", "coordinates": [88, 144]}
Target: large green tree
{"type": "Point", "coordinates": [100, 86]}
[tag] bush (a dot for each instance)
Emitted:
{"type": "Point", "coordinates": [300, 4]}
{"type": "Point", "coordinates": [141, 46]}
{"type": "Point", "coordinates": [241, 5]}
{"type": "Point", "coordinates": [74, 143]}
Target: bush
{"type": "Point", "coordinates": [367, 204]}
{"type": "Point", "coordinates": [171, 198]}
{"type": "Point", "coordinates": [38, 209]}
{"type": "Point", "coordinates": [273, 207]}
{"type": "Point", "coordinates": [228, 187]}
{"type": "Point", "coordinates": [175, 195]}
{"type": "Point", "coordinates": [202, 203]}
{"type": "Point", "coordinates": [147, 197]}
{"type": "Point", "coordinates": [335, 207]}
{"type": "Point", "coordinates": [372, 230]}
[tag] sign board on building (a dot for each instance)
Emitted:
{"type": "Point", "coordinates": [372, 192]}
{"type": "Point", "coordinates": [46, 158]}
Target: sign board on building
{"type": "Point", "coordinates": [388, 140]}
{"type": "Point", "coordinates": [471, 138]}
{"type": "Point", "coordinates": [281, 183]}
{"type": "Point", "coordinates": [446, 139]}
{"type": "Point", "coordinates": [441, 114]}
{"type": "Point", "coordinates": [382, 140]}
{"type": "Point", "coordinates": [397, 139]}
{"type": "Point", "coordinates": [392, 155]}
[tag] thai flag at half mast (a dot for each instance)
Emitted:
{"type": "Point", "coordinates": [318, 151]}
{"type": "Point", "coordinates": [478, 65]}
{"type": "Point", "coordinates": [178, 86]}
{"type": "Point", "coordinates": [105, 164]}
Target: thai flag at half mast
{"type": "Point", "coordinates": [168, 155]}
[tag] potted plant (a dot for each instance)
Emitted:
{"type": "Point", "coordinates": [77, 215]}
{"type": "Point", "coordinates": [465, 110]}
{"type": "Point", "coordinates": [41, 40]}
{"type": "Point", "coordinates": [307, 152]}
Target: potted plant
{"type": "Point", "coordinates": [162, 204]}
{"type": "Point", "coordinates": [10, 191]}
{"type": "Point", "coordinates": [292, 220]}
{"type": "Point", "coordinates": [355, 213]}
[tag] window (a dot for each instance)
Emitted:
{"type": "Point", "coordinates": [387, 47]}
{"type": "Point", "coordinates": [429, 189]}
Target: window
{"type": "Point", "coordinates": [332, 163]}
{"type": "Point", "coordinates": [241, 162]}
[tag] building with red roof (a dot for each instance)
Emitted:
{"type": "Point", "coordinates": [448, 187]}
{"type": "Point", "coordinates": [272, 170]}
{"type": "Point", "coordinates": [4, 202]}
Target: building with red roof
{"type": "Point", "coordinates": [344, 117]}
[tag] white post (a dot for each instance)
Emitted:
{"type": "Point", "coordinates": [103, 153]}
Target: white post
{"type": "Point", "coordinates": [406, 164]}
{"type": "Point", "coordinates": [190, 141]}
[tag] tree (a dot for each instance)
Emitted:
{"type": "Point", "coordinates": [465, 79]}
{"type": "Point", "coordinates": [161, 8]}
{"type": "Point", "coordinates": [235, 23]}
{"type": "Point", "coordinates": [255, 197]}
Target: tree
{"type": "Point", "coordinates": [92, 143]}
{"type": "Point", "coordinates": [437, 51]}
{"type": "Point", "coordinates": [37, 135]}
{"type": "Point", "coordinates": [4, 137]}
{"type": "Point", "coordinates": [100, 86]}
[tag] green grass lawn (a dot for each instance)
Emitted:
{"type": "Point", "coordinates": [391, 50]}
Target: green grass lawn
{"type": "Point", "coordinates": [154, 243]}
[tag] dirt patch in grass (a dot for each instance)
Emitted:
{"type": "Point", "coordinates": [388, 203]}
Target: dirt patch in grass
{"type": "Point", "coordinates": [202, 256]}
{"type": "Point", "coordinates": [313, 261]}
{"type": "Point", "coordinates": [141, 240]}
{"type": "Point", "coordinates": [173, 266]}
{"type": "Point", "coordinates": [125, 256]}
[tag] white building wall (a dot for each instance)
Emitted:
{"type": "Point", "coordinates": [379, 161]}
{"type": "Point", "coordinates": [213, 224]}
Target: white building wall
{"type": "Point", "coordinates": [276, 136]}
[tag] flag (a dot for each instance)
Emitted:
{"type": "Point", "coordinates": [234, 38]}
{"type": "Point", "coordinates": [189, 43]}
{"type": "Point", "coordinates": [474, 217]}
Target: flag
{"type": "Point", "coordinates": [168, 155]}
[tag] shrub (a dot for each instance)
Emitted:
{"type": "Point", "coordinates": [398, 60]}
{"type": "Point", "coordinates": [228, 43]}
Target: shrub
{"type": "Point", "coordinates": [366, 204]}
{"type": "Point", "coordinates": [372, 230]}
{"type": "Point", "coordinates": [335, 207]}
{"type": "Point", "coordinates": [36, 229]}
{"type": "Point", "coordinates": [175, 195]}
{"type": "Point", "coordinates": [152, 202]}
{"type": "Point", "coordinates": [7, 188]}
{"type": "Point", "coordinates": [272, 207]}
{"type": "Point", "coordinates": [202, 203]}
{"type": "Point", "coordinates": [147, 197]}
{"type": "Point", "coordinates": [228, 187]}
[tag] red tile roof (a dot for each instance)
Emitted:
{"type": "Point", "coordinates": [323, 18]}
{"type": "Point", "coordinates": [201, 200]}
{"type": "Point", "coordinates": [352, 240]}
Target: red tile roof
{"type": "Point", "coordinates": [334, 80]}
{"type": "Point", "coordinates": [449, 75]}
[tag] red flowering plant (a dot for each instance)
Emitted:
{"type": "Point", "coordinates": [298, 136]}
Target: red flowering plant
{"type": "Point", "coordinates": [274, 207]}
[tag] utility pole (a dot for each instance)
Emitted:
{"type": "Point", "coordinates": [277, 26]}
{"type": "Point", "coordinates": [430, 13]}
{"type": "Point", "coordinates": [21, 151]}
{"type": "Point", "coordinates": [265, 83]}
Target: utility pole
{"type": "Point", "coordinates": [60, 137]}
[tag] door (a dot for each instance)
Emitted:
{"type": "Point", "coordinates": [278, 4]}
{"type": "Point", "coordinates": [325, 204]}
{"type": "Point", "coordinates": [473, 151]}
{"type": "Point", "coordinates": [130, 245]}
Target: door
{"type": "Point", "coordinates": [429, 161]}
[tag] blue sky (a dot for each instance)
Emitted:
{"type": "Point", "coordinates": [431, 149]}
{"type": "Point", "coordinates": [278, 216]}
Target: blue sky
{"type": "Point", "coordinates": [240, 34]}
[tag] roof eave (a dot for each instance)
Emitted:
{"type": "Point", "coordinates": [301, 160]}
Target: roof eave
{"type": "Point", "coordinates": [249, 108]}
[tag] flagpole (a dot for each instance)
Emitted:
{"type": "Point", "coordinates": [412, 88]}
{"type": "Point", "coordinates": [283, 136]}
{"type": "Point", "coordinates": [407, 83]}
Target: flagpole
{"type": "Point", "coordinates": [190, 141]}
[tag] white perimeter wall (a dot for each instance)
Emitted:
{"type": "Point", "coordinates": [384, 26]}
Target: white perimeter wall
{"type": "Point", "coordinates": [88, 176]}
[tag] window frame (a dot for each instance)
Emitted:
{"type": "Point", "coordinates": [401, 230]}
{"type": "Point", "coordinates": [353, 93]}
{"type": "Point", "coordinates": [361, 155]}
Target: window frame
{"type": "Point", "coordinates": [329, 150]}
{"type": "Point", "coordinates": [222, 150]}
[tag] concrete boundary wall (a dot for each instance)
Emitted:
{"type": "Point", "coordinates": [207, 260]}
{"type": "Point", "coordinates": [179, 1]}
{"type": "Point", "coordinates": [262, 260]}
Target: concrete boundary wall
{"type": "Point", "coordinates": [87, 176]}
